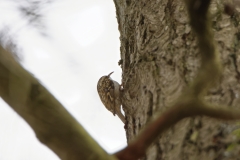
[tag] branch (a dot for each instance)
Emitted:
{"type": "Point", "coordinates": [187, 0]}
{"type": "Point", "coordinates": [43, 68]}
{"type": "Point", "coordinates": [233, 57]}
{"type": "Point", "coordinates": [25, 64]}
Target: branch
{"type": "Point", "coordinates": [51, 122]}
{"type": "Point", "coordinates": [179, 111]}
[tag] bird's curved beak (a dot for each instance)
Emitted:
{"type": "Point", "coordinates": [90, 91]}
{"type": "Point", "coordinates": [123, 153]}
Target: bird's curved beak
{"type": "Point", "coordinates": [110, 74]}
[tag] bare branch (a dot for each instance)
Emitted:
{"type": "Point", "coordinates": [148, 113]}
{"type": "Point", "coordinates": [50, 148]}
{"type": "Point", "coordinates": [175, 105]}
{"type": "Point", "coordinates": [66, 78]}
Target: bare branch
{"type": "Point", "coordinates": [51, 122]}
{"type": "Point", "coordinates": [219, 112]}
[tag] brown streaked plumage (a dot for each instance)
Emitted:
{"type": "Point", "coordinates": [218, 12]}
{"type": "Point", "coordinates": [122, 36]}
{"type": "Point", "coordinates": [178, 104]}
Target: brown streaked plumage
{"type": "Point", "coordinates": [109, 92]}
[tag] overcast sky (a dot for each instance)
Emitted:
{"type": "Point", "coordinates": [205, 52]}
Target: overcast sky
{"type": "Point", "coordinates": [68, 49]}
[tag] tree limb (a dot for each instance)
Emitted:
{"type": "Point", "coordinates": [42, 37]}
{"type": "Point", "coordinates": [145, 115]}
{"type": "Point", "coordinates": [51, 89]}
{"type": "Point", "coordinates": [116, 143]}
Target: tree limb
{"type": "Point", "coordinates": [51, 122]}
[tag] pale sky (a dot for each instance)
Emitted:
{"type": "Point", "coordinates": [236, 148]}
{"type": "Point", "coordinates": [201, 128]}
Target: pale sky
{"type": "Point", "coordinates": [81, 45]}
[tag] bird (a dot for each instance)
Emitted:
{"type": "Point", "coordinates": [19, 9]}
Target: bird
{"type": "Point", "coordinates": [109, 92]}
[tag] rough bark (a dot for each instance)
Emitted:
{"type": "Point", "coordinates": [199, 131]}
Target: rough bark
{"type": "Point", "coordinates": [159, 58]}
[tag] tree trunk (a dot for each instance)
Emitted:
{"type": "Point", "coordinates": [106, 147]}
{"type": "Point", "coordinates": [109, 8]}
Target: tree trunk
{"type": "Point", "coordinates": [159, 58]}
